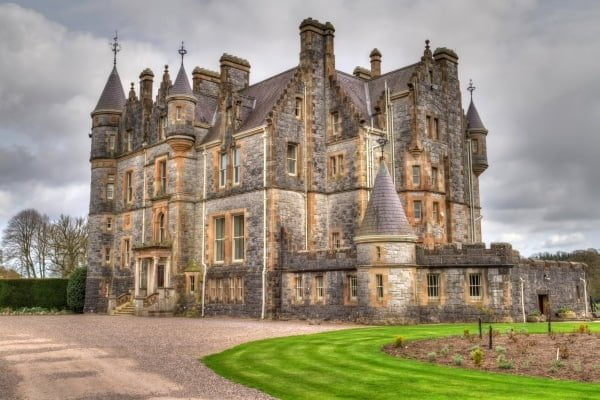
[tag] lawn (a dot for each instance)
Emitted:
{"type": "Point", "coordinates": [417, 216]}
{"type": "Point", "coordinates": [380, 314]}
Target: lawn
{"type": "Point", "coordinates": [349, 364]}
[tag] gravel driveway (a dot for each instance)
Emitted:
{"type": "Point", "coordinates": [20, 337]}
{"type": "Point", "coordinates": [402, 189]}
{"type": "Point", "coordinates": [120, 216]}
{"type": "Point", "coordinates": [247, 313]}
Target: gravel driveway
{"type": "Point", "coordinates": [103, 357]}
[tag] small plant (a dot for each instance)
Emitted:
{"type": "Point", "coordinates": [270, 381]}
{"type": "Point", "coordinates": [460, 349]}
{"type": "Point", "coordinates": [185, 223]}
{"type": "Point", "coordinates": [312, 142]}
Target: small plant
{"type": "Point", "coordinates": [477, 357]}
{"type": "Point", "coordinates": [557, 364]}
{"type": "Point", "coordinates": [577, 367]}
{"type": "Point", "coordinates": [473, 348]}
{"type": "Point", "coordinates": [399, 342]}
{"type": "Point", "coordinates": [500, 350]}
{"type": "Point", "coordinates": [526, 364]}
{"type": "Point", "coordinates": [535, 313]}
{"type": "Point", "coordinates": [503, 362]}
{"type": "Point", "coordinates": [431, 356]}
{"type": "Point", "coordinates": [563, 351]}
{"type": "Point", "coordinates": [467, 335]}
{"type": "Point", "coordinates": [583, 328]}
{"type": "Point", "coordinates": [444, 351]}
{"type": "Point", "coordinates": [457, 359]}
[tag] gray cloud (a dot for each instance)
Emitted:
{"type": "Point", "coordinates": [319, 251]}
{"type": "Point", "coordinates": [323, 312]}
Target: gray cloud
{"type": "Point", "coordinates": [532, 61]}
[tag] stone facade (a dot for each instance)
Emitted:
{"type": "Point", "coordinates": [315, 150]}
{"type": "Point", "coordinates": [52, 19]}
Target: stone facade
{"type": "Point", "coordinates": [225, 198]}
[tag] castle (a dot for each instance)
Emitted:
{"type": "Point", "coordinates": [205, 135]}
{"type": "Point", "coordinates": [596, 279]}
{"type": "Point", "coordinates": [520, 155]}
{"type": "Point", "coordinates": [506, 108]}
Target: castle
{"type": "Point", "coordinates": [312, 194]}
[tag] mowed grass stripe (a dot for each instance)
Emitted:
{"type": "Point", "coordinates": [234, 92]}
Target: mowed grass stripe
{"type": "Point", "coordinates": [350, 364]}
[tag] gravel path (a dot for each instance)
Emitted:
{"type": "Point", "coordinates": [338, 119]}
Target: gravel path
{"type": "Point", "coordinates": [103, 357]}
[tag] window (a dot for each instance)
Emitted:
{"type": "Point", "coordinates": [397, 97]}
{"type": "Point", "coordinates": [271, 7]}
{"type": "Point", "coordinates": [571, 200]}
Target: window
{"type": "Point", "coordinates": [319, 291]}
{"type": "Point", "coordinates": [162, 128]}
{"type": "Point", "coordinates": [336, 241]}
{"type": "Point", "coordinates": [178, 113]}
{"type": "Point", "coordinates": [332, 166]}
{"type": "Point", "coordinates": [292, 158]}
{"type": "Point", "coordinates": [192, 283]}
{"type": "Point", "coordinates": [236, 158]}
{"type": "Point", "coordinates": [222, 169]}
{"type": "Point", "coordinates": [213, 289]}
{"type": "Point", "coordinates": [417, 209]}
{"type": "Point", "coordinates": [144, 274]}
{"type": "Point", "coordinates": [428, 126]}
{"type": "Point", "coordinates": [220, 290]}
{"type": "Point", "coordinates": [353, 287]}
{"type": "Point", "coordinates": [128, 140]}
{"type": "Point", "coordinates": [238, 237]}
{"type": "Point", "coordinates": [436, 212]}
{"type": "Point", "coordinates": [109, 223]}
{"type": "Point", "coordinates": [160, 276]}
{"type": "Point", "coordinates": [107, 255]}
{"type": "Point", "coordinates": [434, 178]}
{"type": "Point", "coordinates": [475, 286]}
{"type": "Point", "coordinates": [110, 191]}
{"type": "Point", "coordinates": [298, 108]}
{"type": "Point", "coordinates": [161, 234]}
{"type": "Point", "coordinates": [436, 128]}
{"type": "Point", "coordinates": [239, 288]}
{"type": "Point", "coordinates": [336, 165]}
{"type": "Point", "coordinates": [336, 126]}
{"type": "Point", "coordinates": [231, 290]}
{"type": "Point", "coordinates": [220, 239]}
{"type": "Point", "coordinates": [129, 186]}
{"type": "Point", "coordinates": [475, 146]}
{"type": "Point", "coordinates": [433, 286]}
{"type": "Point", "coordinates": [416, 175]}
{"type": "Point", "coordinates": [162, 177]}
{"type": "Point", "coordinates": [110, 143]}
{"type": "Point", "coordinates": [379, 286]}
{"type": "Point", "coordinates": [340, 163]}
{"type": "Point", "coordinates": [299, 287]}
{"type": "Point", "coordinates": [378, 253]}
{"type": "Point", "coordinates": [126, 251]}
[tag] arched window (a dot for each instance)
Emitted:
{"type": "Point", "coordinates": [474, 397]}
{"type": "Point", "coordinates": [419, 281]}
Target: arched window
{"type": "Point", "coordinates": [161, 228]}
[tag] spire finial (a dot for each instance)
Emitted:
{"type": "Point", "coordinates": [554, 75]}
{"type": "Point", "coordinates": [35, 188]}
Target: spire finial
{"type": "Point", "coordinates": [471, 88]}
{"type": "Point", "coordinates": [382, 142]}
{"type": "Point", "coordinates": [182, 51]}
{"type": "Point", "coordinates": [116, 47]}
{"type": "Point", "coordinates": [427, 44]}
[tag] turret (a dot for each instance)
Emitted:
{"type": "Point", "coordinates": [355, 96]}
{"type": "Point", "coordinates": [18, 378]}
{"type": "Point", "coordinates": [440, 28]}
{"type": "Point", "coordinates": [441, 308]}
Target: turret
{"type": "Point", "coordinates": [181, 106]}
{"type": "Point", "coordinates": [477, 132]}
{"type": "Point", "coordinates": [385, 236]}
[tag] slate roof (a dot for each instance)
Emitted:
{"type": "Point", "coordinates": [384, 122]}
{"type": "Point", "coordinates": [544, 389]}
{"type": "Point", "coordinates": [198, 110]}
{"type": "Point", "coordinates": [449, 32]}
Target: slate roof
{"type": "Point", "coordinates": [182, 84]}
{"type": "Point", "coordinates": [113, 96]}
{"type": "Point", "coordinates": [473, 118]}
{"type": "Point", "coordinates": [206, 106]}
{"type": "Point", "coordinates": [385, 215]}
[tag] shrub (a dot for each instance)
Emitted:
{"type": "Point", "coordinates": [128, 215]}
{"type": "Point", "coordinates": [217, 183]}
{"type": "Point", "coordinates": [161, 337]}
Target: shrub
{"type": "Point", "coordinates": [467, 335]}
{"type": "Point", "coordinates": [76, 290]}
{"type": "Point", "coordinates": [500, 350]}
{"type": "Point", "coordinates": [563, 351]}
{"type": "Point", "coordinates": [557, 364]}
{"type": "Point", "coordinates": [503, 362]}
{"type": "Point", "coordinates": [431, 356]}
{"type": "Point", "coordinates": [457, 359]}
{"type": "Point", "coordinates": [444, 351]}
{"type": "Point", "coordinates": [583, 328]}
{"type": "Point", "coordinates": [45, 293]}
{"type": "Point", "coordinates": [477, 357]}
{"type": "Point", "coordinates": [399, 341]}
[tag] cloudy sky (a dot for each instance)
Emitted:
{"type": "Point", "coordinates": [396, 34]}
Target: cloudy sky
{"type": "Point", "coordinates": [534, 63]}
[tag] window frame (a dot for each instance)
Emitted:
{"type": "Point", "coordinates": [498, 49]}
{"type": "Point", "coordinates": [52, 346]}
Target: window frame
{"type": "Point", "coordinates": [475, 146]}
{"type": "Point", "coordinates": [435, 129]}
{"type": "Point", "coordinates": [162, 176]}
{"type": "Point", "coordinates": [220, 290]}
{"type": "Point", "coordinates": [109, 223]}
{"type": "Point", "coordinates": [298, 107]}
{"type": "Point", "coordinates": [379, 287]}
{"type": "Point", "coordinates": [319, 288]}
{"type": "Point", "coordinates": [219, 256]}
{"type": "Point", "coordinates": [240, 236]}
{"type": "Point", "coordinates": [293, 146]}
{"type": "Point", "coordinates": [299, 287]}
{"type": "Point", "coordinates": [178, 113]}
{"type": "Point", "coordinates": [223, 164]}
{"type": "Point", "coordinates": [236, 161]}
{"type": "Point", "coordinates": [335, 240]}
{"type": "Point", "coordinates": [475, 286]}
{"type": "Point", "coordinates": [336, 123]}
{"type": "Point", "coordinates": [418, 216]}
{"type": "Point", "coordinates": [352, 287]}
{"type": "Point", "coordinates": [126, 261]}
{"type": "Point", "coordinates": [129, 187]}
{"type": "Point", "coordinates": [434, 178]}
{"type": "Point", "coordinates": [231, 297]}
{"type": "Point", "coordinates": [435, 212]}
{"type": "Point", "coordinates": [161, 229]}
{"type": "Point", "coordinates": [429, 126]}
{"type": "Point", "coordinates": [239, 288]}
{"type": "Point", "coordinates": [416, 175]}
{"type": "Point", "coordinates": [192, 283]}
{"type": "Point", "coordinates": [107, 256]}
{"type": "Point", "coordinates": [433, 286]}
{"type": "Point", "coordinates": [162, 128]}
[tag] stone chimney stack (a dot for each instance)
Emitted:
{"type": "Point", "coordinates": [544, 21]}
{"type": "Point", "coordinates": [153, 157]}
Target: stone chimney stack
{"type": "Point", "coordinates": [146, 80]}
{"type": "Point", "coordinates": [235, 71]}
{"type": "Point", "coordinates": [316, 45]}
{"type": "Point", "coordinates": [375, 63]}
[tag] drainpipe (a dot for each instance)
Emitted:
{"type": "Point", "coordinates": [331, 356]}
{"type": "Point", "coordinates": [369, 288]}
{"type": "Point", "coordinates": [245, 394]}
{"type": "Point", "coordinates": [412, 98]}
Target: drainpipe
{"type": "Point", "coordinates": [144, 197]}
{"type": "Point", "coordinates": [305, 159]}
{"type": "Point", "coordinates": [523, 299]}
{"type": "Point", "coordinates": [585, 298]}
{"type": "Point", "coordinates": [471, 196]}
{"type": "Point", "coordinates": [264, 270]}
{"type": "Point", "coordinates": [203, 262]}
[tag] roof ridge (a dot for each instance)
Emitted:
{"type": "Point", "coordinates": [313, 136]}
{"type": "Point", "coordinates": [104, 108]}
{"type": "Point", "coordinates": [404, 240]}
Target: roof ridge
{"type": "Point", "coordinates": [396, 70]}
{"type": "Point", "coordinates": [269, 78]}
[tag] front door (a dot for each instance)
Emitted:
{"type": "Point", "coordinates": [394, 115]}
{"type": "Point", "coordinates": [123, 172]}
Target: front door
{"type": "Point", "coordinates": [160, 276]}
{"type": "Point", "coordinates": [543, 304]}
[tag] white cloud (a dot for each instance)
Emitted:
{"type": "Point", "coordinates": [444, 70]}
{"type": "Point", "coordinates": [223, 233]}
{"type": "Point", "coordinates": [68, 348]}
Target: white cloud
{"type": "Point", "coordinates": [565, 240]}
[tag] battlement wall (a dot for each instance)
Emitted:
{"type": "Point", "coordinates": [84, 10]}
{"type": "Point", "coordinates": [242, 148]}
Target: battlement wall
{"type": "Point", "coordinates": [476, 254]}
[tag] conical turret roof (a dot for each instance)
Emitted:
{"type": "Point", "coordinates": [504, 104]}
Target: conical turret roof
{"type": "Point", "coordinates": [113, 96]}
{"type": "Point", "coordinates": [473, 118]}
{"type": "Point", "coordinates": [385, 215]}
{"type": "Point", "coordinates": [182, 84]}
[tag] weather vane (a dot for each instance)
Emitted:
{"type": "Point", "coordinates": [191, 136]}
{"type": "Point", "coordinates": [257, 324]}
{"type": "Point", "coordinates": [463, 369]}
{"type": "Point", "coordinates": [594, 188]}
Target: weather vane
{"type": "Point", "coordinates": [471, 88]}
{"type": "Point", "coordinates": [182, 51]}
{"type": "Point", "coordinates": [382, 142]}
{"type": "Point", "coordinates": [116, 47]}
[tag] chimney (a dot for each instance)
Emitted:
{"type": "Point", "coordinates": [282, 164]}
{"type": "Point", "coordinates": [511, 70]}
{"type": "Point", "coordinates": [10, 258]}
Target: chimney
{"type": "Point", "coordinates": [362, 73]}
{"type": "Point", "coordinates": [206, 81]}
{"type": "Point", "coordinates": [375, 63]}
{"type": "Point", "coordinates": [235, 70]}
{"type": "Point", "coordinates": [316, 45]}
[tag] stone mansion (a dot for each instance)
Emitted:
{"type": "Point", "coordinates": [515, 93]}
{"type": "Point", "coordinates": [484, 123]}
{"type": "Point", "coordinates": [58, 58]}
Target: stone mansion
{"type": "Point", "coordinates": [314, 193]}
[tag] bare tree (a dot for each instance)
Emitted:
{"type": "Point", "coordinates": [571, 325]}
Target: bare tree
{"type": "Point", "coordinates": [67, 242]}
{"type": "Point", "coordinates": [19, 241]}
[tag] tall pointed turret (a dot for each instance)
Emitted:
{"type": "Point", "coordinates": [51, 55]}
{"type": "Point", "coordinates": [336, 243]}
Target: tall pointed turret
{"type": "Point", "coordinates": [182, 84]}
{"type": "Point", "coordinates": [477, 133]}
{"type": "Point", "coordinates": [113, 95]}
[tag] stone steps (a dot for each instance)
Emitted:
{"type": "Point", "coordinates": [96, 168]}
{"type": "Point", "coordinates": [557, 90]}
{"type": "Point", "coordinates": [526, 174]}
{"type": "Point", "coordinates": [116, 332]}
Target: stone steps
{"type": "Point", "coordinates": [127, 309]}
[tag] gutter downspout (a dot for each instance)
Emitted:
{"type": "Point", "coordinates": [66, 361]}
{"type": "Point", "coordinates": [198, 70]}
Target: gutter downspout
{"type": "Point", "coordinates": [264, 270]}
{"type": "Point", "coordinates": [203, 262]}
{"type": "Point", "coordinates": [305, 168]}
{"type": "Point", "coordinates": [523, 299]}
{"type": "Point", "coordinates": [144, 198]}
{"type": "Point", "coordinates": [390, 129]}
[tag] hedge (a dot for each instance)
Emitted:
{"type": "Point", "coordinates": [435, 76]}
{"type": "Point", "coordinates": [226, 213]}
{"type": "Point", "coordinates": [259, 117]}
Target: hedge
{"type": "Point", "coordinates": [46, 293]}
{"type": "Point", "coordinates": [76, 290]}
